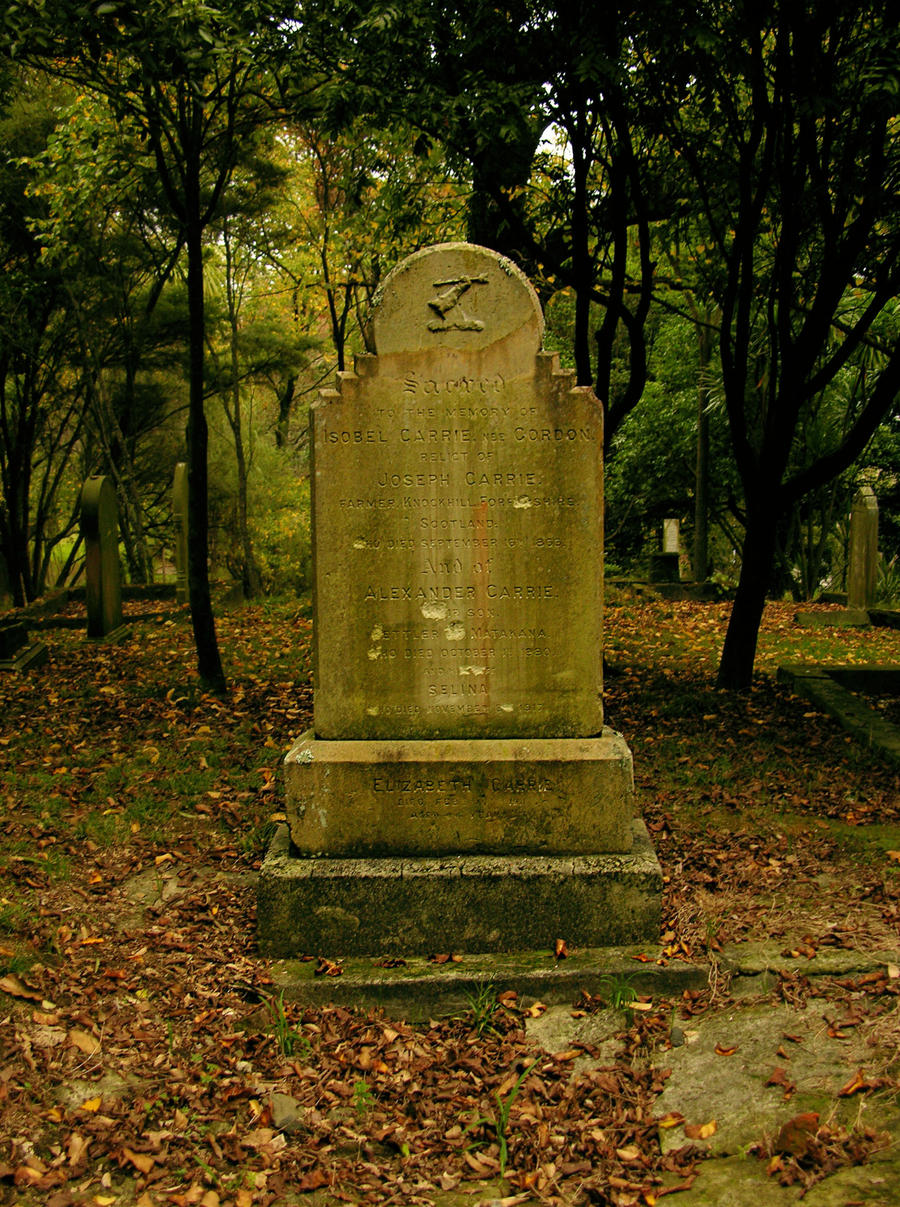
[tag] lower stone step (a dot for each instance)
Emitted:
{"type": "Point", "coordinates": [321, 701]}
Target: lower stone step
{"type": "Point", "coordinates": [463, 903]}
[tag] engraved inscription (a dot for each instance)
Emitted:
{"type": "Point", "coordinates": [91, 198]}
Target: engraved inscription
{"type": "Point", "coordinates": [462, 541]}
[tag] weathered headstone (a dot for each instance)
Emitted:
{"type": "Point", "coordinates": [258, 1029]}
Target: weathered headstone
{"type": "Point", "coordinates": [671, 536]}
{"type": "Point", "coordinates": [664, 563]}
{"type": "Point", "coordinates": [180, 524]}
{"type": "Point", "coordinates": [100, 527]}
{"type": "Point", "coordinates": [459, 790]}
{"type": "Point", "coordinates": [862, 573]}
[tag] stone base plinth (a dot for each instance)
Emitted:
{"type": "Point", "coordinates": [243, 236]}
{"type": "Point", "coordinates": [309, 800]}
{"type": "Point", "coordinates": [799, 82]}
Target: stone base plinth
{"type": "Point", "coordinates": [463, 903]}
{"type": "Point", "coordinates": [528, 796]}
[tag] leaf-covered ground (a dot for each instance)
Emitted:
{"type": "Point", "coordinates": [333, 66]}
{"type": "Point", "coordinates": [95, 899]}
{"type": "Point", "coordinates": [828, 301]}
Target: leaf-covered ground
{"type": "Point", "coordinates": [144, 1054]}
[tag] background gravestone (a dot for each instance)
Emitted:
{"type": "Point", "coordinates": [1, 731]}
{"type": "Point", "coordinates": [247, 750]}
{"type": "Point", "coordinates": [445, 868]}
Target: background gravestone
{"type": "Point", "coordinates": [180, 524]}
{"type": "Point", "coordinates": [100, 528]}
{"type": "Point", "coordinates": [458, 791]}
{"type": "Point", "coordinates": [862, 574]}
{"type": "Point", "coordinates": [664, 565]}
{"type": "Point", "coordinates": [671, 538]}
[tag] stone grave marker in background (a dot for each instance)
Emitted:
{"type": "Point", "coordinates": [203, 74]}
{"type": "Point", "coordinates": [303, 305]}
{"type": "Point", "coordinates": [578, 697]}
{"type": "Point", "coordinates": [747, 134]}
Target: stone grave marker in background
{"type": "Point", "coordinates": [180, 524]}
{"type": "Point", "coordinates": [862, 570]}
{"type": "Point", "coordinates": [459, 790]}
{"type": "Point", "coordinates": [100, 528]}
{"type": "Point", "coordinates": [664, 565]}
{"type": "Point", "coordinates": [17, 653]}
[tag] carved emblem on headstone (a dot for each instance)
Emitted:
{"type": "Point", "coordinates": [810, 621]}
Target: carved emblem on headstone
{"type": "Point", "coordinates": [450, 303]}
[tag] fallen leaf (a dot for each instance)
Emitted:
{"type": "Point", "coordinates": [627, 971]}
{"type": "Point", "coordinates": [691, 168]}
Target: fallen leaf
{"type": "Point", "coordinates": [76, 1147]}
{"type": "Point", "coordinates": [84, 1042]}
{"type": "Point", "coordinates": [672, 1119]}
{"type": "Point", "coordinates": [701, 1131]}
{"type": "Point", "coordinates": [630, 1153]}
{"type": "Point", "coordinates": [311, 1181]}
{"type": "Point", "coordinates": [16, 987]}
{"type": "Point", "coordinates": [141, 1161]}
{"type": "Point", "coordinates": [780, 1078]}
{"type": "Point", "coordinates": [795, 1135]}
{"type": "Point", "coordinates": [855, 1085]}
{"type": "Point", "coordinates": [726, 1050]}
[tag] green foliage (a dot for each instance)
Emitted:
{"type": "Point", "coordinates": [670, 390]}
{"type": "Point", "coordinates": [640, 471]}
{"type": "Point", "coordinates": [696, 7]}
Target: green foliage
{"type": "Point", "coordinates": [363, 1098]}
{"type": "Point", "coordinates": [288, 1040]}
{"type": "Point", "coordinates": [483, 1007]}
{"type": "Point", "coordinates": [498, 1120]}
{"type": "Point", "coordinates": [618, 992]}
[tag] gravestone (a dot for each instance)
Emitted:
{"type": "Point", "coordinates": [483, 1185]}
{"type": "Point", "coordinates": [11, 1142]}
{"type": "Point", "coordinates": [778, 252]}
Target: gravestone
{"type": "Point", "coordinates": [862, 573]}
{"type": "Point", "coordinates": [459, 790]}
{"type": "Point", "coordinates": [100, 528]}
{"type": "Point", "coordinates": [671, 538]}
{"type": "Point", "coordinates": [180, 524]}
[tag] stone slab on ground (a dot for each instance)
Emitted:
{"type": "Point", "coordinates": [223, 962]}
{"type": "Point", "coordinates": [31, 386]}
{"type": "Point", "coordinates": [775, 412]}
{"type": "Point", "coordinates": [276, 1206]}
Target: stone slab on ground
{"type": "Point", "coordinates": [846, 618]}
{"type": "Point", "coordinates": [732, 1090]}
{"type": "Point", "coordinates": [464, 903]}
{"type": "Point", "coordinates": [827, 688]}
{"type": "Point", "coordinates": [418, 988]}
{"type": "Point", "coordinates": [527, 796]}
{"type": "Point", "coordinates": [706, 1085]}
{"type": "Point", "coordinates": [28, 658]}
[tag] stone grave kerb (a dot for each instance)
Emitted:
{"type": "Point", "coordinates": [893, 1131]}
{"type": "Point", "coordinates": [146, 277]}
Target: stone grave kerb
{"type": "Point", "coordinates": [100, 528]}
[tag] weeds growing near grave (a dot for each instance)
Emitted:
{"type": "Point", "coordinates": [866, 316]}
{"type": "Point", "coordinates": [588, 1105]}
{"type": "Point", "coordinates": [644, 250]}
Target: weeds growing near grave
{"type": "Point", "coordinates": [363, 1098]}
{"type": "Point", "coordinates": [483, 1007]}
{"type": "Point", "coordinates": [617, 991]}
{"type": "Point", "coordinates": [498, 1120]}
{"type": "Point", "coordinates": [288, 1040]}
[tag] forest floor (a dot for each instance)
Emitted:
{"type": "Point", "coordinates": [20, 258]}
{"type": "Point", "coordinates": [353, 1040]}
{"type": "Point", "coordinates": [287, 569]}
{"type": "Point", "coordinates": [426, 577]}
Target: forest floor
{"type": "Point", "coordinates": [147, 1058]}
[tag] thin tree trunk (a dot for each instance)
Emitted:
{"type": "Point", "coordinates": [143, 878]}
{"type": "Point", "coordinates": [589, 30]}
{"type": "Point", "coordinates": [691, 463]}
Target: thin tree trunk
{"type": "Point", "coordinates": [250, 576]}
{"type": "Point", "coordinates": [209, 663]}
{"type": "Point", "coordinates": [701, 477]}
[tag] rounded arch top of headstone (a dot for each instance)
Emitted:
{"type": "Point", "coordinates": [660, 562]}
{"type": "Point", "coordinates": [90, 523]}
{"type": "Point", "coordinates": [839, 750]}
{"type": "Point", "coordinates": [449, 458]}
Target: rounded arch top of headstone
{"type": "Point", "coordinates": [98, 505]}
{"type": "Point", "coordinates": [866, 498]}
{"type": "Point", "coordinates": [457, 297]}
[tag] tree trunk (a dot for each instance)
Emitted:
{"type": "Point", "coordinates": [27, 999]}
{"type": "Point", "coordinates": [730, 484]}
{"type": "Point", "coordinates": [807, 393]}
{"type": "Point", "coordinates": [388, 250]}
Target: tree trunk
{"type": "Point", "coordinates": [209, 663]}
{"type": "Point", "coordinates": [701, 476]}
{"type": "Point", "coordinates": [739, 650]}
{"type": "Point", "coordinates": [285, 402]}
{"type": "Point", "coordinates": [250, 576]}
{"type": "Point", "coordinates": [581, 256]}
